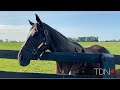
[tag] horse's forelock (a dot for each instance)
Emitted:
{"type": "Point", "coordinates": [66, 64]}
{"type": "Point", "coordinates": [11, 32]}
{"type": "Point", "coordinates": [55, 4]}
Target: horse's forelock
{"type": "Point", "coordinates": [33, 27]}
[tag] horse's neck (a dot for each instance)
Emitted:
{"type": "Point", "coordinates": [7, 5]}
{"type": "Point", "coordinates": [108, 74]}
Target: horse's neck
{"type": "Point", "coordinates": [58, 41]}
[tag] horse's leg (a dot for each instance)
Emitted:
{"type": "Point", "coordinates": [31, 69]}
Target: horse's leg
{"type": "Point", "coordinates": [66, 67]}
{"type": "Point", "coordinates": [63, 67]}
{"type": "Point", "coordinates": [76, 68]}
{"type": "Point", "coordinates": [58, 67]}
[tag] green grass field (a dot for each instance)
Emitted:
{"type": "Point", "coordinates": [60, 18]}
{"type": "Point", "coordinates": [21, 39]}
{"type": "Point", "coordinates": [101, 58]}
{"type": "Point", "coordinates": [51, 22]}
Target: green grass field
{"type": "Point", "coordinates": [45, 66]}
{"type": "Point", "coordinates": [34, 66]}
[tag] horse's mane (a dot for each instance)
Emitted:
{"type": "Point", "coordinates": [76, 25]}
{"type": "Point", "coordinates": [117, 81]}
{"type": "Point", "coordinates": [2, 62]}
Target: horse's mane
{"type": "Point", "coordinates": [60, 34]}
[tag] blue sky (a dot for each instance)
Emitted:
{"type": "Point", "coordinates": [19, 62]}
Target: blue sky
{"type": "Point", "coordinates": [104, 24]}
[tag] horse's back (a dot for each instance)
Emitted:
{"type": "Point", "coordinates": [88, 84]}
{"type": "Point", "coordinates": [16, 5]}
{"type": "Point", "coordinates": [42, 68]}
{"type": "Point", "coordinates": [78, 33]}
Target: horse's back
{"type": "Point", "coordinates": [96, 49]}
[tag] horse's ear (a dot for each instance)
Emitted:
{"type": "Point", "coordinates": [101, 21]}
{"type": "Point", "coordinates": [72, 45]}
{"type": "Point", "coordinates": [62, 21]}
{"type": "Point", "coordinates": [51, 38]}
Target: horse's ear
{"type": "Point", "coordinates": [38, 19]}
{"type": "Point", "coordinates": [31, 23]}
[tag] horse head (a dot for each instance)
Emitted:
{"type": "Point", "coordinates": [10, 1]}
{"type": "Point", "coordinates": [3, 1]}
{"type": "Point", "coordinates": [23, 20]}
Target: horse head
{"type": "Point", "coordinates": [37, 42]}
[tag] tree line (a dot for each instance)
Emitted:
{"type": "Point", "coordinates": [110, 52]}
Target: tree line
{"type": "Point", "coordinates": [84, 39]}
{"type": "Point", "coordinates": [7, 40]}
{"type": "Point", "coordinates": [79, 39]}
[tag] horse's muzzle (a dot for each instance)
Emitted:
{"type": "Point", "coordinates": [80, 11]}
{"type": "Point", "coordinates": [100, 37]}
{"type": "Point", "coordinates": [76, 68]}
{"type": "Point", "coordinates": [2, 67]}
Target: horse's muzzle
{"type": "Point", "coordinates": [23, 61]}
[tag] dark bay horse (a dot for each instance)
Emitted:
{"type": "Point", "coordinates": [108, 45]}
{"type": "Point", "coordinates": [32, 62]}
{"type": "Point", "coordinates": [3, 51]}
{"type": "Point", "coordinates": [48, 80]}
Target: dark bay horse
{"type": "Point", "coordinates": [89, 69]}
{"type": "Point", "coordinates": [42, 37]}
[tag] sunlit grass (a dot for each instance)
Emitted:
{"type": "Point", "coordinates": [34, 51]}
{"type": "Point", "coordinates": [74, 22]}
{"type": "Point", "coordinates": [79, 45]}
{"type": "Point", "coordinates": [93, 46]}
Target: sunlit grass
{"type": "Point", "coordinates": [113, 47]}
{"type": "Point", "coordinates": [46, 66]}
{"type": "Point", "coordinates": [34, 66]}
{"type": "Point", "coordinates": [10, 46]}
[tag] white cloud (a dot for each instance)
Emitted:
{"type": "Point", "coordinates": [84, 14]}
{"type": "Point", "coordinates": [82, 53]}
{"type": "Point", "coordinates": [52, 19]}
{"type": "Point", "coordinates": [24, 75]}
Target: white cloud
{"type": "Point", "coordinates": [14, 32]}
{"type": "Point", "coordinates": [77, 31]}
{"type": "Point", "coordinates": [20, 32]}
{"type": "Point", "coordinates": [14, 28]}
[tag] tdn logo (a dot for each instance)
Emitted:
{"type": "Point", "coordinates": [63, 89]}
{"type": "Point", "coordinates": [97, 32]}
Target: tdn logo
{"type": "Point", "coordinates": [100, 71]}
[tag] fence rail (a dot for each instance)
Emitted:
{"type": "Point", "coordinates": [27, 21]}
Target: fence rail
{"type": "Point", "coordinates": [107, 61]}
{"type": "Point", "coordinates": [12, 54]}
{"type": "Point", "coordinates": [6, 74]}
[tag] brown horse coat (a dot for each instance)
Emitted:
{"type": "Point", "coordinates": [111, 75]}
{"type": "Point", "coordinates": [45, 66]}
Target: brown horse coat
{"type": "Point", "coordinates": [88, 69]}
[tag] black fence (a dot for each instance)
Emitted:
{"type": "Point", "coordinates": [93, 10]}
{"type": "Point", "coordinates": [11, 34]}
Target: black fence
{"type": "Point", "coordinates": [107, 62]}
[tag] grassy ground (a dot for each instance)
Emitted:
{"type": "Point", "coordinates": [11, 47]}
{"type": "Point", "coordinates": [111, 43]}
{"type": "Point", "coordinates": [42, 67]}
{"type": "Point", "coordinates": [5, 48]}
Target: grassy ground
{"type": "Point", "coordinates": [45, 66]}
{"type": "Point", "coordinates": [113, 47]}
{"type": "Point", "coordinates": [10, 46]}
{"type": "Point", "coordinates": [34, 66]}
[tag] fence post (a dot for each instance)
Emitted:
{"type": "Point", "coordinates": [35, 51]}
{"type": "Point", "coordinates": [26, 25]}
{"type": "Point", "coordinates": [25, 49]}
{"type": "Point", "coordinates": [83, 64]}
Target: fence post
{"type": "Point", "coordinates": [108, 65]}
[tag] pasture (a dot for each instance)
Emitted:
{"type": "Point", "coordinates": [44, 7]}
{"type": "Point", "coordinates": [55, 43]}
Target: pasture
{"type": "Point", "coordinates": [45, 66]}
